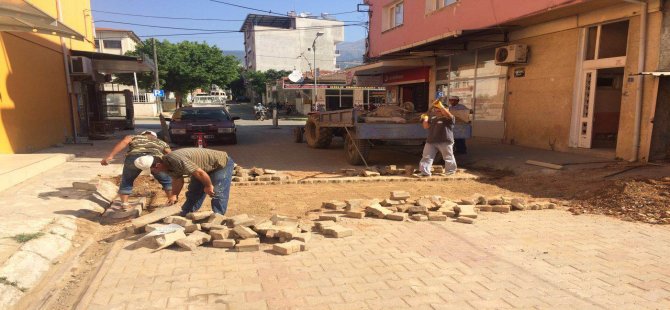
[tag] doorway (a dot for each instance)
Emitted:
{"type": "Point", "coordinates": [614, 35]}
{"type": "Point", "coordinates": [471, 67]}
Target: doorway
{"type": "Point", "coordinates": [660, 138]}
{"type": "Point", "coordinates": [607, 109]}
{"type": "Point", "coordinates": [416, 94]}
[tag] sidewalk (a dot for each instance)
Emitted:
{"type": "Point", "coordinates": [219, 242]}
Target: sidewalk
{"type": "Point", "coordinates": [41, 209]}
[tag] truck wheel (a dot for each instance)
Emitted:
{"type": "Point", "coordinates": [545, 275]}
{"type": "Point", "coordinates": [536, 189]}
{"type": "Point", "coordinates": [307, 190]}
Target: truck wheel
{"type": "Point", "coordinates": [297, 134]}
{"type": "Point", "coordinates": [316, 137]}
{"type": "Point", "coordinates": [353, 157]}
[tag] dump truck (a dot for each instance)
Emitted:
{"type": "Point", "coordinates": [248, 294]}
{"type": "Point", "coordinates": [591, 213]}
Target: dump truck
{"type": "Point", "coordinates": [363, 133]}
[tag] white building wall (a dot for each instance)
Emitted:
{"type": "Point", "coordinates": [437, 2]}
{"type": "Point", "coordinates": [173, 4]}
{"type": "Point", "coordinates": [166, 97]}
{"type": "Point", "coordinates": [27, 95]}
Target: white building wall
{"type": "Point", "coordinates": [271, 48]}
{"type": "Point", "coordinates": [127, 43]}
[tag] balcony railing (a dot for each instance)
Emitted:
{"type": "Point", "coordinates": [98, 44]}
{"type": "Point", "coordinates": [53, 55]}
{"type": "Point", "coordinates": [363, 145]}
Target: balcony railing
{"type": "Point", "coordinates": [144, 98]}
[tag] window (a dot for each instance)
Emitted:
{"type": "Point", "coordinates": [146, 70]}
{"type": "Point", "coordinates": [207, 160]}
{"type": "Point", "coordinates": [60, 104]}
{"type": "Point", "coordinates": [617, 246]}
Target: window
{"type": "Point", "coordinates": [97, 43]}
{"type": "Point", "coordinates": [434, 5]}
{"type": "Point", "coordinates": [393, 15]}
{"type": "Point", "coordinates": [606, 41]}
{"type": "Point", "coordinates": [111, 43]}
{"type": "Point", "coordinates": [337, 99]}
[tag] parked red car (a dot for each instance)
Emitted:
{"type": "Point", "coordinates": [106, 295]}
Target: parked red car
{"type": "Point", "coordinates": [215, 123]}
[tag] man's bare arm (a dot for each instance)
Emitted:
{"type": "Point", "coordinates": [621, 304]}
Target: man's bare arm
{"type": "Point", "coordinates": [117, 148]}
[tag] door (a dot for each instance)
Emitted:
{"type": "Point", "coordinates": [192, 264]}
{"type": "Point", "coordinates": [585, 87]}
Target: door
{"type": "Point", "coordinates": [586, 107]}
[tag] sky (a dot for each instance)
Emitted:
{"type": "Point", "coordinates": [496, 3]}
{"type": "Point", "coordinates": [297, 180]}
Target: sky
{"type": "Point", "coordinates": [211, 9]}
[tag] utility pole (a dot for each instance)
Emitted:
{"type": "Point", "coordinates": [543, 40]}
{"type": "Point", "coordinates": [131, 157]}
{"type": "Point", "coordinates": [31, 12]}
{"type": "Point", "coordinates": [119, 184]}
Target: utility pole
{"type": "Point", "coordinates": [314, 107]}
{"type": "Point", "coordinates": [157, 82]}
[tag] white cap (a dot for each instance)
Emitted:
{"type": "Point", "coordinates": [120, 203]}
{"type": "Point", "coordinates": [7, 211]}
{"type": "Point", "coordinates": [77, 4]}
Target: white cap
{"type": "Point", "coordinates": [149, 132]}
{"type": "Point", "coordinates": [144, 162]}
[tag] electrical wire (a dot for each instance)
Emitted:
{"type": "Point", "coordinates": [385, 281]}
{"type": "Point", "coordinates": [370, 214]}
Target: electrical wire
{"type": "Point", "coordinates": [248, 8]}
{"type": "Point", "coordinates": [225, 30]}
{"type": "Point", "coordinates": [169, 17]}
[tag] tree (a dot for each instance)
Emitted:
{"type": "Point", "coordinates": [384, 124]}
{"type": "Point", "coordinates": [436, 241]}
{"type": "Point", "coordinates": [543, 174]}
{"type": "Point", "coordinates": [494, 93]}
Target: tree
{"type": "Point", "coordinates": [185, 66]}
{"type": "Point", "coordinates": [258, 79]}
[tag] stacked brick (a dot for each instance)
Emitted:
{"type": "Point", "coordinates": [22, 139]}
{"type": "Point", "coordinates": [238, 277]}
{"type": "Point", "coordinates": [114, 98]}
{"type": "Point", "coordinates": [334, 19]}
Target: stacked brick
{"type": "Point", "coordinates": [258, 175]}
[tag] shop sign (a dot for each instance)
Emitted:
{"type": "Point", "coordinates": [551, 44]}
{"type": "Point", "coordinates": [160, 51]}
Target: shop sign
{"type": "Point", "coordinates": [411, 75]}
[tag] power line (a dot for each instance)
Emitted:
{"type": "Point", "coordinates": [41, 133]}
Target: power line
{"type": "Point", "coordinates": [226, 30]}
{"type": "Point", "coordinates": [248, 8]}
{"type": "Point", "coordinates": [169, 17]}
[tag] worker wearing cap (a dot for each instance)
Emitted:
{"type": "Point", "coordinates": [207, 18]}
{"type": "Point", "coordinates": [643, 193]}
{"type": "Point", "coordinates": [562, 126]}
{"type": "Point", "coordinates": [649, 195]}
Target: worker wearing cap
{"type": "Point", "coordinates": [455, 105]}
{"type": "Point", "coordinates": [211, 172]}
{"type": "Point", "coordinates": [440, 124]}
{"type": "Point", "coordinates": [146, 143]}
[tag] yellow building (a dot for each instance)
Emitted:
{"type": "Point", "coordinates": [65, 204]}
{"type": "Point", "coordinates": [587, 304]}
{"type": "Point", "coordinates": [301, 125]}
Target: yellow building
{"type": "Point", "coordinates": [38, 105]}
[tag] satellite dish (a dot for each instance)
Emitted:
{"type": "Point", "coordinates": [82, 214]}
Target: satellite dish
{"type": "Point", "coordinates": [295, 76]}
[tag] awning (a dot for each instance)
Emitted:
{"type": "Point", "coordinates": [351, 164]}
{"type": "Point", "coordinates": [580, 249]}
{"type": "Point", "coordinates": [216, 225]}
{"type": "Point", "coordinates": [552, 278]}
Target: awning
{"type": "Point", "coordinates": [19, 15]}
{"type": "Point", "coordinates": [386, 66]}
{"type": "Point", "coordinates": [655, 73]}
{"type": "Point", "coordinates": [111, 63]}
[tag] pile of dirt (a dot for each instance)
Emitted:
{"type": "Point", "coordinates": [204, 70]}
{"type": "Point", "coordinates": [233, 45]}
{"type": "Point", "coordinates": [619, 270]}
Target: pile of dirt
{"type": "Point", "coordinates": [642, 200]}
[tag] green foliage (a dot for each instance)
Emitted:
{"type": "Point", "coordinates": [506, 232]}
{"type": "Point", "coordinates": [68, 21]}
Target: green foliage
{"type": "Point", "coordinates": [23, 238]}
{"type": "Point", "coordinates": [257, 80]}
{"type": "Point", "coordinates": [185, 66]}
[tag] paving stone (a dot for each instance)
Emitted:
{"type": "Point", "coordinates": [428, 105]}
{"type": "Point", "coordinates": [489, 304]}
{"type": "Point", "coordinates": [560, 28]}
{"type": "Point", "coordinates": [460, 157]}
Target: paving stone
{"type": "Point", "coordinates": [321, 225]}
{"type": "Point", "coordinates": [418, 210]}
{"type": "Point", "coordinates": [9, 296]}
{"type": "Point", "coordinates": [162, 237]}
{"type": "Point", "coordinates": [466, 220]}
{"type": "Point", "coordinates": [518, 204]}
{"type": "Point", "coordinates": [210, 226]}
{"type": "Point", "coordinates": [368, 173]}
{"type": "Point", "coordinates": [85, 186]}
{"type": "Point", "coordinates": [409, 170]}
{"type": "Point", "coordinates": [193, 240]}
{"type": "Point", "coordinates": [467, 201]}
{"type": "Point", "coordinates": [396, 216]}
{"type": "Point", "coordinates": [199, 216]}
{"type": "Point", "coordinates": [449, 213]}
{"type": "Point", "coordinates": [107, 190]}
{"type": "Point", "coordinates": [216, 218]}
{"type": "Point", "coordinates": [501, 208]}
{"type": "Point", "coordinates": [337, 231]}
{"type": "Point", "coordinates": [224, 243]}
{"type": "Point", "coordinates": [399, 195]}
{"type": "Point", "coordinates": [220, 234]}
{"type": "Point", "coordinates": [448, 204]}
{"type": "Point", "coordinates": [289, 247]}
{"type": "Point", "coordinates": [329, 217]}
{"type": "Point", "coordinates": [244, 232]}
{"type": "Point", "coordinates": [479, 199]}
{"type": "Point", "coordinates": [494, 201]}
{"type": "Point", "coordinates": [402, 208]}
{"type": "Point", "coordinates": [270, 171]}
{"type": "Point", "coordinates": [151, 227]}
{"type": "Point", "coordinates": [377, 211]}
{"type": "Point", "coordinates": [424, 202]}
{"type": "Point", "coordinates": [352, 204]}
{"type": "Point", "coordinates": [278, 219]}
{"type": "Point", "coordinates": [248, 245]}
{"type": "Point", "coordinates": [355, 214]}
{"type": "Point", "coordinates": [181, 221]}
{"type": "Point", "coordinates": [486, 208]}
{"type": "Point", "coordinates": [466, 211]}
{"type": "Point", "coordinates": [49, 246]}
{"type": "Point", "coordinates": [392, 209]}
{"type": "Point", "coordinates": [191, 228]}
{"type": "Point", "coordinates": [419, 217]}
{"type": "Point", "coordinates": [389, 202]}
{"type": "Point", "coordinates": [264, 178]}
{"type": "Point", "coordinates": [433, 216]}
{"type": "Point", "coordinates": [242, 220]}
{"type": "Point", "coordinates": [286, 233]}
{"type": "Point", "coordinates": [25, 268]}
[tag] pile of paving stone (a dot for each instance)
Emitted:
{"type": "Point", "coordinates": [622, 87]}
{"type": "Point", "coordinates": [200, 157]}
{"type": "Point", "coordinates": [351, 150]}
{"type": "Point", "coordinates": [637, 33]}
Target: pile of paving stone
{"type": "Point", "coordinates": [401, 207]}
{"type": "Point", "coordinates": [242, 233]}
{"type": "Point", "coordinates": [390, 170]}
{"type": "Point", "coordinates": [257, 175]}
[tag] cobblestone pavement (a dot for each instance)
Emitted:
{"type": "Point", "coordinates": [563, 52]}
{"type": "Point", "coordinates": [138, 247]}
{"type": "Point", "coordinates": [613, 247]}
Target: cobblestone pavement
{"type": "Point", "coordinates": [533, 259]}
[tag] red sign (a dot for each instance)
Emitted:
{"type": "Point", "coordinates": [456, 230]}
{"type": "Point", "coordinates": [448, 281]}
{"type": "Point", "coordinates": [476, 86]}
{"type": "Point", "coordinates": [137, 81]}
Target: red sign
{"type": "Point", "coordinates": [416, 75]}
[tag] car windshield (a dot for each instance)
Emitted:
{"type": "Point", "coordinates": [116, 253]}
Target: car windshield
{"type": "Point", "coordinates": [209, 114]}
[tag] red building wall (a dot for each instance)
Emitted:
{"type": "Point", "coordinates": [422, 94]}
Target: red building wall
{"type": "Point", "coordinates": [419, 27]}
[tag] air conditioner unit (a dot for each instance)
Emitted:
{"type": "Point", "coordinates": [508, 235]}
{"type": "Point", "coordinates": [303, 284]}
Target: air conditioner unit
{"type": "Point", "coordinates": [512, 54]}
{"type": "Point", "coordinates": [81, 66]}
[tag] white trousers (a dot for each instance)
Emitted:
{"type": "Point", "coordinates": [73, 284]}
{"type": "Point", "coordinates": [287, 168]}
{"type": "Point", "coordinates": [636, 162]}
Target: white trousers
{"type": "Point", "coordinates": [429, 152]}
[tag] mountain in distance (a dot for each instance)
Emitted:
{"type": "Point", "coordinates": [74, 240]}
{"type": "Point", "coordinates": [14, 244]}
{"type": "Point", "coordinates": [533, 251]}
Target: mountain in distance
{"type": "Point", "coordinates": [351, 53]}
{"type": "Point", "coordinates": [238, 54]}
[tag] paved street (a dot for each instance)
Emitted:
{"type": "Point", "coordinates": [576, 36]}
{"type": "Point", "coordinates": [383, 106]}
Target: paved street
{"type": "Point", "coordinates": [531, 259]}
{"type": "Point", "coordinates": [536, 259]}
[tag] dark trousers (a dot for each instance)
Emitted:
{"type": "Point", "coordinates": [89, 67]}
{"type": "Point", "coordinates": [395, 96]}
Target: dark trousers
{"type": "Point", "coordinates": [460, 147]}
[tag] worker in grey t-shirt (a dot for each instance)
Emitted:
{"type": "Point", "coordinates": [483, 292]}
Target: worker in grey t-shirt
{"type": "Point", "coordinates": [440, 124]}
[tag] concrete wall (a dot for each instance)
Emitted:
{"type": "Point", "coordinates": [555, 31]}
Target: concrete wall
{"type": "Point", "coordinates": [34, 102]}
{"type": "Point", "coordinates": [127, 44]}
{"type": "Point", "coordinates": [539, 106]}
{"type": "Point", "coordinates": [281, 49]}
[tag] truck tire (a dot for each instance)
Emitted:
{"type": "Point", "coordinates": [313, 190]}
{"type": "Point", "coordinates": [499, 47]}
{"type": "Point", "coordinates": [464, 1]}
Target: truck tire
{"type": "Point", "coordinates": [298, 134]}
{"type": "Point", "coordinates": [318, 138]}
{"type": "Point", "coordinates": [353, 157]}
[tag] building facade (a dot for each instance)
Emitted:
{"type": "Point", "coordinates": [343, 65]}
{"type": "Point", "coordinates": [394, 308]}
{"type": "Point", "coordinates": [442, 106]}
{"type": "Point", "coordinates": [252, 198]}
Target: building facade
{"type": "Point", "coordinates": [285, 43]}
{"type": "Point", "coordinates": [37, 105]}
{"type": "Point", "coordinates": [564, 75]}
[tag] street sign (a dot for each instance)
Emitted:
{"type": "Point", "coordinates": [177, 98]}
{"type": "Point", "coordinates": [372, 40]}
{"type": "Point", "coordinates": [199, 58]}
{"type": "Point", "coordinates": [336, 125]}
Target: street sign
{"type": "Point", "coordinates": [159, 93]}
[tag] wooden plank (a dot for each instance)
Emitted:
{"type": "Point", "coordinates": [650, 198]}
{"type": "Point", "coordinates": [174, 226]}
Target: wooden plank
{"type": "Point", "coordinates": [543, 164]}
{"type": "Point", "coordinates": [155, 216]}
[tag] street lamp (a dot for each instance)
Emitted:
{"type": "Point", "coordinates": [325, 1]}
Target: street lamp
{"type": "Point", "coordinates": [318, 34]}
